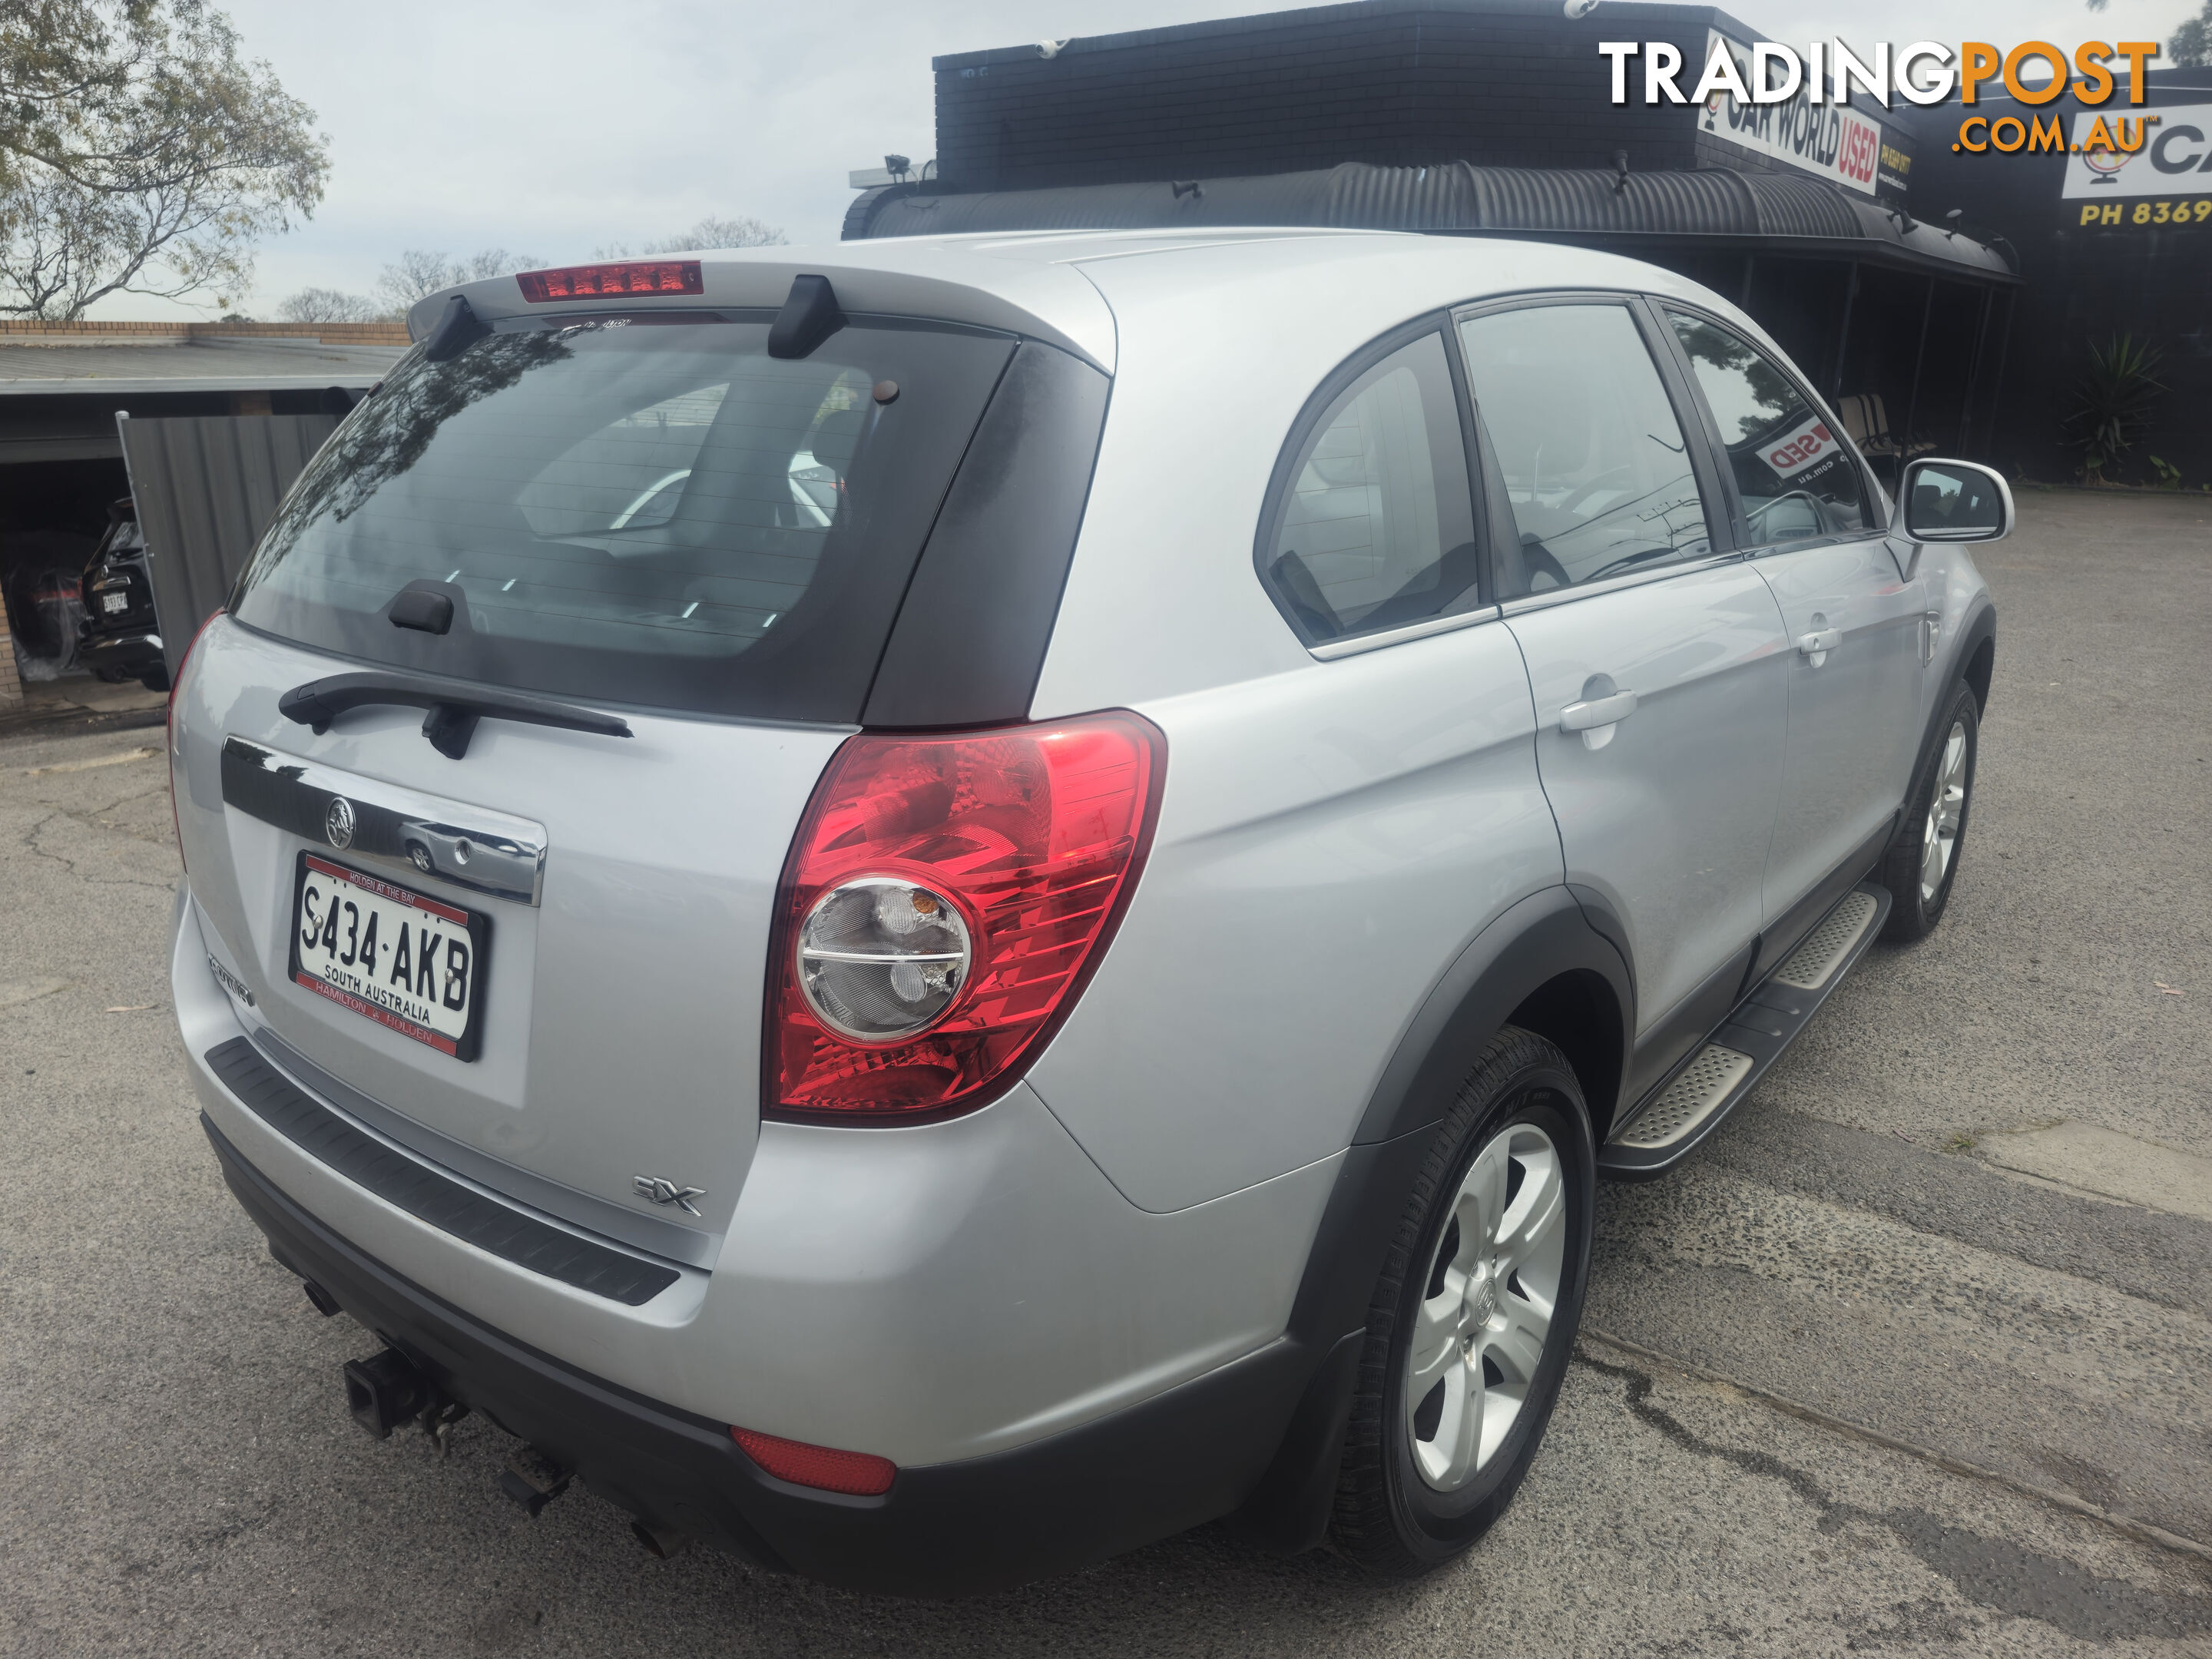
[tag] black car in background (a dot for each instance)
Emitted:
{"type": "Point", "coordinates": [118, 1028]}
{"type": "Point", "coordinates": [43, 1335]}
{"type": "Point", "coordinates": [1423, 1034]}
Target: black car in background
{"type": "Point", "coordinates": [119, 637]}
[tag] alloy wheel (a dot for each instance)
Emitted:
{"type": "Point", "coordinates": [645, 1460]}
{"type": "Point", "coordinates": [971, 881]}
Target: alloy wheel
{"type": "Point", "coordinates": [1946, 812]}
{"type": "Point", "coordinates": [1486, 1307]}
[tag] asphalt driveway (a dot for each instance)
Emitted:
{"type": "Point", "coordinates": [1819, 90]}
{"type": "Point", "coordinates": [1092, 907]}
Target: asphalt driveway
{"type": "Point", "coordinates": [1916, 1356]}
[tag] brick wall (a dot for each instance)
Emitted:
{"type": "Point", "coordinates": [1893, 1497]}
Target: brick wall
{"type": "Point", "coordinates": [11, 687]}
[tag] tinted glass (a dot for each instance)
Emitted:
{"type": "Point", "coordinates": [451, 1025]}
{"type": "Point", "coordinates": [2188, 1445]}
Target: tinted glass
{"type": "Point", "coordinates": [645, 511]}
{"type": "Point", "coordinates": [1377, 530]}
{"type": "Point", "coordinates": [1594, 464]}
{"type": "Point", "coordinates": [1790, 466]}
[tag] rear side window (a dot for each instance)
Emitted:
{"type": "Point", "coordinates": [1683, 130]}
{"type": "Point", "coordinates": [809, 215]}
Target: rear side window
{"type": "Point", "coordinates": [1597, 468]}
{"type": "Point", "coordinates": [1790, 467]}
{"type": "Point", "coordinates": [1376, 528]}
{"type": "Point", "coordinates": [649, 510]}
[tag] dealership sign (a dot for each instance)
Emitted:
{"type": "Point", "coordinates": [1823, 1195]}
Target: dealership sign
{"type": "Point", "coordinates": [2172, 158]}
{"type": "Point", "coordinates": [1801, 449]}
{"type": "Point", "coordinates": [1833, 141]}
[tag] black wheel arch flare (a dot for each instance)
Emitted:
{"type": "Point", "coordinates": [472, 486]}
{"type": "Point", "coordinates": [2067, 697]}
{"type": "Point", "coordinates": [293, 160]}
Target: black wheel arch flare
{"type": "Point", "coordinates": [1541, 955]}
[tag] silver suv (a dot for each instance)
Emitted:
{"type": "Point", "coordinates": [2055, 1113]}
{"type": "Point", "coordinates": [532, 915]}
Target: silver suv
{"type": "Point", "coordinates": [934, 907]}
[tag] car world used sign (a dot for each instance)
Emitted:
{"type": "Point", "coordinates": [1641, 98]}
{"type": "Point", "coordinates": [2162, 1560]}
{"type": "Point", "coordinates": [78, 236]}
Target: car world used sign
{"type": "Point", "coordinates": [1831, 141]}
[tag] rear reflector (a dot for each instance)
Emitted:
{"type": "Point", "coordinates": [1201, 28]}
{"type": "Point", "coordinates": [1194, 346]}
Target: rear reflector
{"type": "Point", "coordinates": [858, 1474]}
{"type": "Point", "coordinates": [630, 278]}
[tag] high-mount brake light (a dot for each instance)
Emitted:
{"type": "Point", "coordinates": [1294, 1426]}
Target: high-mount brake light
{"type": "Point", "coordinates": [629, 279]}
{"type": "Point", "coordinates": [857, 1475]}
{"type": "Point", "coordinates": [945, 899]}
{"type": "Point", "coordinates": [169, 721]}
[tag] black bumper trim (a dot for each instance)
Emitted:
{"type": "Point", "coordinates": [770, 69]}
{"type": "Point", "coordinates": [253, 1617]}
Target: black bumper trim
{"type": "Point", "coordinates": [1184, 1457]}
{"type": "Point", "coordinates": [425, 1193]}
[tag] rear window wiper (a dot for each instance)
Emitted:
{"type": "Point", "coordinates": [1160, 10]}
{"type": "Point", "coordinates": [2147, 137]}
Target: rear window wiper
{"type": "Point", "coordinates": [454, 706]}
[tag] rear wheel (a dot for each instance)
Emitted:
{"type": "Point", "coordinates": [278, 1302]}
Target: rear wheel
{"type": "Point", "coordinates": [1473, 1318]}
{"type": "Point", "coordinates": [1923, 862]}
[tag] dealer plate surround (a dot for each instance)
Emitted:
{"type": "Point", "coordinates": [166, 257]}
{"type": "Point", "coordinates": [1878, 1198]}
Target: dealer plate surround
{"type": "Point", "coordinates": [411, 963]}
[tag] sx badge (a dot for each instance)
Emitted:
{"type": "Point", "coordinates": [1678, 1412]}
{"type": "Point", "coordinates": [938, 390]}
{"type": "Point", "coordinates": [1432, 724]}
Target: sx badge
{"type": "Point", "coordinates": [661, 1191]}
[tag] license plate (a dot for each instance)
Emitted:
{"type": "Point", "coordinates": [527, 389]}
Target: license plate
{"type": "Point", "coordinates": [115, 602]}
{"type": "Point", "coordinates": [412, 963]}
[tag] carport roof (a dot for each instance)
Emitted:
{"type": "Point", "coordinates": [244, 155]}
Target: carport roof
{"type": "Point", "coordinates": [32, 365]}
{"type": "Point", "coordinates": [1712, 208]}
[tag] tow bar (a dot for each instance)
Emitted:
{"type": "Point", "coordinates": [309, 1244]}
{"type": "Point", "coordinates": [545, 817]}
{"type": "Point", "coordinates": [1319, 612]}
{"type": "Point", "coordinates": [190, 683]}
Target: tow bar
{"type": "Point", "coordinates": [388, 1390]}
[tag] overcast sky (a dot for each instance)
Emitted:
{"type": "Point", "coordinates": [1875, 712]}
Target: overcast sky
{"type": "Point", "coordinates": [554, 128]}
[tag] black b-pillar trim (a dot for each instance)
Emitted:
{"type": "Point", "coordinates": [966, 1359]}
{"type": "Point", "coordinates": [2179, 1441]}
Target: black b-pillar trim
{"type": "Point", "coordinates": [971, 633]}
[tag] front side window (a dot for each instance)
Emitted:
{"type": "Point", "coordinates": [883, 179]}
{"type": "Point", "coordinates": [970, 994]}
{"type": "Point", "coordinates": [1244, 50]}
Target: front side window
{"type": "Point", "coordinates": [1595, 465]}
{"type": "Point", "coordinates": [1377, 528]}
{"type": "Point", "coordinates": [1791, 468]}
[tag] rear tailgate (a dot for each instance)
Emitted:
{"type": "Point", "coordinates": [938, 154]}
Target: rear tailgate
{"type": "Point", "coordinates": [648, 515]}
{"type": "Point", "coordinates": [620, 1014]}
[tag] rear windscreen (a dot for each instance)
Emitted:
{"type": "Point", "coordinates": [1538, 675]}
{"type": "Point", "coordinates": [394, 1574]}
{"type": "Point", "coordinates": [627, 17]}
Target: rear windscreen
{"type": "Point", "coordinates": [647, 510]}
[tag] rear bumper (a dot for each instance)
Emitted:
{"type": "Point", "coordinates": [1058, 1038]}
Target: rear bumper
{"type": "Point", "coordinates": [1181, 1458]}
{"type": "Point", "coordinates": [126, 652]}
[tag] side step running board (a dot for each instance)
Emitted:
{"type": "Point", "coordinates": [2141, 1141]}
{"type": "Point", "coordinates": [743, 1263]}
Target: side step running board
{"type": "Point", "coordinates": [1690, 1105]}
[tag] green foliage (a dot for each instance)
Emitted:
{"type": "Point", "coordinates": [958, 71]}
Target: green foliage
{"type": "Point", "coordinates": [139, 154]}
{"type": "Point", "coordinates": [709, 233]}
{"type": "Point", "coordinates": [420, 272]}
{"type": "Point", "coordinates": [2169, 475]}
{"type": "Point", "coordinates": [2190, 44]}
{"type": "Point", "coordinates": [327, 304]}
{"type": "Point", "coordinates": [2113, 403]}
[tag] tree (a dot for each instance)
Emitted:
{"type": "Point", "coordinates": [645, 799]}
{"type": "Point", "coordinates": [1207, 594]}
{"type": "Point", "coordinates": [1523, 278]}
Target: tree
{"type": "Point", "coordinates": [418, 272]}
{"type": "Point", "coordinates": [139, 154]}
{"type": "Point", "coordinates": [328, 304]}
{"type": "Point", "coordinates": [710, 232]}
{"type": "Point", "coordinates": [2191, 45]}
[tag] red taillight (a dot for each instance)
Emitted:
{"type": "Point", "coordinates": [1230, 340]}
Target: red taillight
{"type": "Point", "coordinates": [177, 684]}
{"type": "Point", "coordinates": [859, 1475]}
{"type": "Point", "coordinates": [1035, 833]}
{"type": "Point", "coordinates": [631, 277]}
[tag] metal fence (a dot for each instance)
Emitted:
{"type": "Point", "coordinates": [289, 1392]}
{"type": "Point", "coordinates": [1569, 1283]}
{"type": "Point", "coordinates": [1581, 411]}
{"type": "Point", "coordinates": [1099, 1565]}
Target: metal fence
{"type": "Point", "coordinates": [206, 487]}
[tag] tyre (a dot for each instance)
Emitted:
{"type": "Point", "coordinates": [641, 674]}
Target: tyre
{"type": "Point", "coordinates": [1923, 862]}
{"type": "Point", "coordinates": [1473, 1316]}
{"type": "Point", "coordinates": [156, 678]}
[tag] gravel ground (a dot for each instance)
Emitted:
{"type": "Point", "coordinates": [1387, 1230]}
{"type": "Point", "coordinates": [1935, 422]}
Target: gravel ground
{"type": "Point", "coordinates": [1799, 1341]}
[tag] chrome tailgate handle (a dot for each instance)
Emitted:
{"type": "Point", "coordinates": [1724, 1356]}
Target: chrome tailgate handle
{"type": "Point", "coordinates": [1589, 716]}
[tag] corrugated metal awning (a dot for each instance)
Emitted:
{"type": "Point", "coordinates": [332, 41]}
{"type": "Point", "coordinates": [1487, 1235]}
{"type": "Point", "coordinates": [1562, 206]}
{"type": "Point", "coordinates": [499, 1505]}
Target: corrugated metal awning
{"type": "Point", "coordinates": [1715, 207]}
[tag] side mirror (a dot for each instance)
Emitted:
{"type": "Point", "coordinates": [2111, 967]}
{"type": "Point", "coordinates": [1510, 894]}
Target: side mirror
{"type": "Point", "coordinates": [1953, 501]}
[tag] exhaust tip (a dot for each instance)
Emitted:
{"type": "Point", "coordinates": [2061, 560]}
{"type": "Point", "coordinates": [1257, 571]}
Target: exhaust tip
{"type": "Point", "coordinates": [326, 1304]}
{"type": "Point", "coordinates": [386, 1391]}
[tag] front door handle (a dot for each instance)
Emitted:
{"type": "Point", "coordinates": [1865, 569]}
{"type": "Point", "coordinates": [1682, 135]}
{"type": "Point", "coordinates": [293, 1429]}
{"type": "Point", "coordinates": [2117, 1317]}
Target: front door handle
{"type": "Point", "coordinates": [1595, 717]}
{"type": "Point", "coordinates": [1817, 644]}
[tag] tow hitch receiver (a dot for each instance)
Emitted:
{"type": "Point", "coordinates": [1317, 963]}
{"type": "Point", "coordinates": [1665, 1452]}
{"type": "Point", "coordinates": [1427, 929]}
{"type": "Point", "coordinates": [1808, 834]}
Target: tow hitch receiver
{"type": "Point", "coordinates": [387, 1391]}
{"type": "Point", "coordinates": [534, 1480]}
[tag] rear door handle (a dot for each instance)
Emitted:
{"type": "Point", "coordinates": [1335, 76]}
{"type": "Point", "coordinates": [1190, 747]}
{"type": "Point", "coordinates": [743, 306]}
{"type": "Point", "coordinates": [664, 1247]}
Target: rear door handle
{"type": "Point", "coordinates": [1595, 717]}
